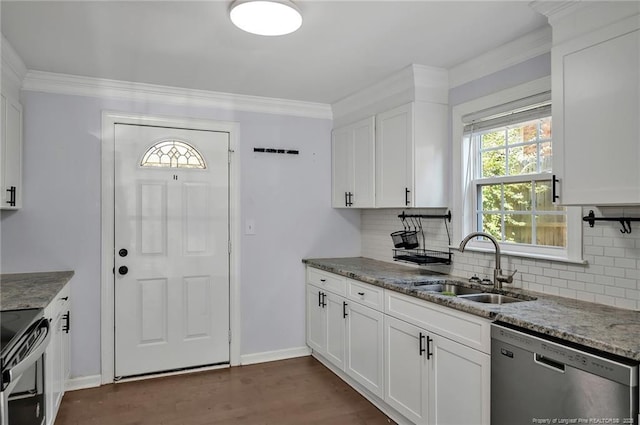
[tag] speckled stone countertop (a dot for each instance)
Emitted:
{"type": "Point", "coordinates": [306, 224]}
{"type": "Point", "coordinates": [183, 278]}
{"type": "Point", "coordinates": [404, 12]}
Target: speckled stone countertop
{"type": "Point", "coordinates": [609, 329]}
{"type": "Point", "coordinates": [31, 290]}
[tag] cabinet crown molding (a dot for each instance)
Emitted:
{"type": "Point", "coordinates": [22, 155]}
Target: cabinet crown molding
{"type": "Point", "coordinates": [574, 18]}
{"type": "Point", "coordinates": [13, 70]}
{"type": "Point", "coordinates": [556, 9]}
{"type": "Point", "coordinates": [412, 83]}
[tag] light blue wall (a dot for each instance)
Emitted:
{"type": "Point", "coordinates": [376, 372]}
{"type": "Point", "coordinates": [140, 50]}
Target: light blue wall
{"type": "Point", "coordinates": [288, 196]}
{"type": "Point", "coordinates": [529, 70]}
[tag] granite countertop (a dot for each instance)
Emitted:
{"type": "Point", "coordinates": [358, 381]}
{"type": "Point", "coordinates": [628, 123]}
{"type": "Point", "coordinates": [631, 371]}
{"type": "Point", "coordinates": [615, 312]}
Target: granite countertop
{"type": "Point", "coordinates": [31, 290]}
{"type": "Point", "coordinates": [609, 329]}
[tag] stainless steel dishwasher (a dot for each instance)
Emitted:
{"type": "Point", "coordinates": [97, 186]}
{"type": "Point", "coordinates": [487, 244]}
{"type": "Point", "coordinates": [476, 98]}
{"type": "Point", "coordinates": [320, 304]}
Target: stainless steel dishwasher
{"type": "Point", "coordinates": [535, 379]}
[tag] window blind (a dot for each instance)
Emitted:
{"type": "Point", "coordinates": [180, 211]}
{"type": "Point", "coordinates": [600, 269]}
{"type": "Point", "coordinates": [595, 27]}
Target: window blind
{"type": "Point", "coordinates": [526, 109]}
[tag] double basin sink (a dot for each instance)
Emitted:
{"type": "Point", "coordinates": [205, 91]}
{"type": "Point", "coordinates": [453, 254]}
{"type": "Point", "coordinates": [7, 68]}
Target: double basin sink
{"type": "Point", "coordinates": [467, 293]}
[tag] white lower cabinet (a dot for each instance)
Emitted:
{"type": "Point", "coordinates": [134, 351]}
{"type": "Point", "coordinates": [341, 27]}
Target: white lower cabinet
{"type": "Point", "coordinates": [364, 347]}
{"type": "Point", "coordinates": [406, 369]}
{"type": "Point", "coordinates": [459, 384]}
{"type": "Point", "coordinates": [57, 354]}
{"type": "Point", "coordinates": [316, 320]}
{"type": "Point", "coordinates": [335, 329]}
{"type": "Point", "coordinates": [428, 363]}
{"type": "Point", "coordinates": [326, 324]}
{"type": "Point", "coordinates": [428, 376]}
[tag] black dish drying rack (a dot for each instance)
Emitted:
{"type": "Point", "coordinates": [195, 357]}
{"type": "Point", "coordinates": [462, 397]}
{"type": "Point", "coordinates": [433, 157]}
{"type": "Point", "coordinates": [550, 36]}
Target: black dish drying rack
{"type": "Point", "coordinates": [417, 255]}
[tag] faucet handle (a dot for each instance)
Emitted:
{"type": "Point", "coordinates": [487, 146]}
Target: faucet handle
{"type": "Point", "coordinates": [508, 278]}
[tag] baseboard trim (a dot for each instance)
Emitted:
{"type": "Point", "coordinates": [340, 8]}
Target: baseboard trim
{"type": "Point", "coordinates": [83, 382]}
{"type": "Point", "coordinates": [270, 356]}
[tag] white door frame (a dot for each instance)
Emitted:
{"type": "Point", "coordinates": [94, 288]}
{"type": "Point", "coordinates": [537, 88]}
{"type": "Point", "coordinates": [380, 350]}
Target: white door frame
{"type": "Point", "coordinates": [107, 331]}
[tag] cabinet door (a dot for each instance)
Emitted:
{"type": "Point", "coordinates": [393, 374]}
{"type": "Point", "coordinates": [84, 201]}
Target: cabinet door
{"type": "Point", "coordinates": [316, 320]}
{"type": "Point", "coordinates": [341, 166]}
{"type": "Point", "coordinates": [394, 157]}
{"type": "Point", "coordinates": [363, 163]}
{"type": "Point", "coordinates": [595, 112]}
{"type": "Point", "coordinates": [459, 384]}
{"type": "Point", "coordinates": [335, 329]}
{"type": "Point", "coordinates": [364, 351]}
{"type": "Point", "coordinates": [11, 151]}
{"type": "Point", "coordinates": [352, 162]}
{"type": "Point", "coordinates": [405, 369]}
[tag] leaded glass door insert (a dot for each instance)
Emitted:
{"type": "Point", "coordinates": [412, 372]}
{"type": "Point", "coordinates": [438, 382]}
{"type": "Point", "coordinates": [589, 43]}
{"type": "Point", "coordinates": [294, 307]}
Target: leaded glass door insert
{"type": "Point", "coordinates": [173, 153]}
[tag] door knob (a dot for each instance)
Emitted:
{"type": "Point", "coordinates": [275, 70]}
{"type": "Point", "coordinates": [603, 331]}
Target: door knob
{"type": "Point", "coordinates": [123, 270]}
{"type": "Point", "coordinates": [123, 252]}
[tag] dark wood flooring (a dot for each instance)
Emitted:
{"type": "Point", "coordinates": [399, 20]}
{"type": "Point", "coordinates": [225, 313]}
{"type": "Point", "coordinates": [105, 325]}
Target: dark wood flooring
{"type": "Point", "coordinates": [287, 392]}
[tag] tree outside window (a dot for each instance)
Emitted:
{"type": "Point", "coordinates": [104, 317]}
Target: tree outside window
{"type": "Point", "coordinates": [514, 187]}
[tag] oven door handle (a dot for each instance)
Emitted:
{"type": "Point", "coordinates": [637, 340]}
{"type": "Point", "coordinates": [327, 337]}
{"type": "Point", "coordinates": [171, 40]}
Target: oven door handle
{"type": "Point", "coordinates": [36, 352]}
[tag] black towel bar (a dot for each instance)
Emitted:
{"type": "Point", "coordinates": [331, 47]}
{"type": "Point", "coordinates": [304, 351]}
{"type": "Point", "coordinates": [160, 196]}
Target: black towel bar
{"type": "Point", "coordinates": [625, 222]}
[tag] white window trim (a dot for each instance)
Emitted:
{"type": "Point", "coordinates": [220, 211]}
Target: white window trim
{"type": "Point", "coordinates": [463, 199]}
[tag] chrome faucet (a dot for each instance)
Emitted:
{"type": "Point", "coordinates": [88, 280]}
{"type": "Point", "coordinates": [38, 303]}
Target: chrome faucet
{"type": "Point", "coordinates": [498, 277]}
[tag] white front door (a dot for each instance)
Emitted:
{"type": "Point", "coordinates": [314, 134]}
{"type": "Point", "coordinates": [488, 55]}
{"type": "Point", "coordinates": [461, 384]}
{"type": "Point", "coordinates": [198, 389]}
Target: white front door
{"type": "Point", "coordinates": [171, 249]}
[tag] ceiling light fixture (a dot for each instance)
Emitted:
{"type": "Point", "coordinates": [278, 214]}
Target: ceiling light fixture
{"type": "Point", "coordinates": [266, 17]}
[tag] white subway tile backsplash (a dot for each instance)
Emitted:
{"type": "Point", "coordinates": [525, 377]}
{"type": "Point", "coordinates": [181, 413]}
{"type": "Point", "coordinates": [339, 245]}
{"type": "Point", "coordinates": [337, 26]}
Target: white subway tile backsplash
{"type": "Point", "coordinates": [626, 283]}
{"type": "Point", "coordinates": [614, 271]}
{"type": "Point", "coordinates": [611, 276]}
{"type": "Point", "coordinates": [602, 241]}
{"type": "Point", "coordinates": [625, 263]}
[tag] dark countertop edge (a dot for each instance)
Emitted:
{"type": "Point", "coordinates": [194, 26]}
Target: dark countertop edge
{"type": "Point", "coordinates": [53, 275]}
{"type": "Point", "coordinates": [491, 312]}
{"type": "Point", "coordinates": [19, 291]}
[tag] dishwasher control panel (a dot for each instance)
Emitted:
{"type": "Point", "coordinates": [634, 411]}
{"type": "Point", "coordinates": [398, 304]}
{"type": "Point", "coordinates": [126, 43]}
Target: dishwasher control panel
{"type": "Point", "coordinates": [557, 355]}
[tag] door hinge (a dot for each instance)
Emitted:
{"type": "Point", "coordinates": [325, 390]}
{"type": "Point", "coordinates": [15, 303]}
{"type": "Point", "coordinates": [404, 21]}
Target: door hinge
{"type": "Point", "coordinates": [229, 336]}
{"type": "Point", "coordinates": [230, 152]}
{"type": "Point", "coordinates": [229, 247]}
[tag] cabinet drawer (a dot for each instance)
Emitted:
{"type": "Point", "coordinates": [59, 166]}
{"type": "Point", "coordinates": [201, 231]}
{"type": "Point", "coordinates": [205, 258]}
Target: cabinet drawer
{"type": "Point", "coordinates": [329, 281]}
{"type": "Point", "coordinates": [369, 295]}
{"type": "Point", "coordinates": [462, 327]}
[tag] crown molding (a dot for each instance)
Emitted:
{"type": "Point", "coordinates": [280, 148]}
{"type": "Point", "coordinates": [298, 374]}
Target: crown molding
{"type": "Point", "coordinates": [48, 82]}
{"type": "Point", "coordinates": [554, 9]}
{"type": "Point", "coordinates": [527, 47]}
{"type": "Point", "coordinates": [13, 69]}
{"type": "Point", "coordinates": [412, 83]}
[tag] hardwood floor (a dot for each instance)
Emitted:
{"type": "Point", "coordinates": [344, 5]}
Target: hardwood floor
{"type": "Point", "coordinates": [287, 392]}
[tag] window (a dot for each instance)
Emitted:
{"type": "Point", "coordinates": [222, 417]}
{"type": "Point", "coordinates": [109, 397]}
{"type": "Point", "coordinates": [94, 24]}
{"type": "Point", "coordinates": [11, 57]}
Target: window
{"type": "Point", "coordinates": [513, 184]}
{"type": "Point", "coordinates": [172, 154]}
{"type": "Point", "coordinates": [505, 180]}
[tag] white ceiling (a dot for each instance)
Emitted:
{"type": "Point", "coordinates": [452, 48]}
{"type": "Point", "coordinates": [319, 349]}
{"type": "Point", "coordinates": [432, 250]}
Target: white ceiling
{"type": "Point", "coordinates": [342, 47]}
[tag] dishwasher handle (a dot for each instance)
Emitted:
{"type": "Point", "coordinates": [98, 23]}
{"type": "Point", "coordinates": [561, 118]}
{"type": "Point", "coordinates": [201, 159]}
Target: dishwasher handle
{"type": "Point", "coordinates": [548, 363]}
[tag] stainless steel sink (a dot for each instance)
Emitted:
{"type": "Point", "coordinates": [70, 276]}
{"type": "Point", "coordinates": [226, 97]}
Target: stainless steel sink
{"type": "Point", "coordinates": [447, 289]}
{"type": "Point", "coordinates": [491, 298]}
{"type": "Point", "coordinates": [471, 294]}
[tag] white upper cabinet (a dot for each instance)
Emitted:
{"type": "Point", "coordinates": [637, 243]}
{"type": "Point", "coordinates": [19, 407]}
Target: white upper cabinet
{"type": "Point", "coordinates": [411, 156]}
{"type": "Point", "coordinates": [353, 165]}
{"type": "Point", "coordinates": [10, 154]}
{"type": "Point", "coordinates": [390, 144]}
{"type": "Point", "coordinates": [596, 103]}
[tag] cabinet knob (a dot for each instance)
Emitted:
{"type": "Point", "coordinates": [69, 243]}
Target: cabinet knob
{"type": "Point", "coordinates": [123, 252]}
{"type": "Point", "coordinates": [123, 270]}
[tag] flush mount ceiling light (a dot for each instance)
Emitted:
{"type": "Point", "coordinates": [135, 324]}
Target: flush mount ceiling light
{"type": "Point", "coordinates": [265, 17]}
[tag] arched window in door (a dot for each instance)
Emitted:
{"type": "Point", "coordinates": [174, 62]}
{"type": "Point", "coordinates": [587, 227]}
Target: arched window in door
{"type": "Point", "coordinates": [173, 153]}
